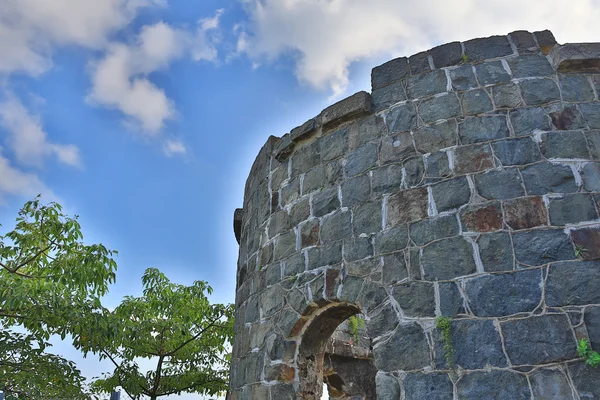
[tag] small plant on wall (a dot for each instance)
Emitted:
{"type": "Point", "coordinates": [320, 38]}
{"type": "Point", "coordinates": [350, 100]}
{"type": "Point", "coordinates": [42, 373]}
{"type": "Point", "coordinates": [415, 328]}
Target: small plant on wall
{"type": "Point", "coordinates": [585, 351]}
{"type": "Point", "coordinates": [355, 324]}
{"type": "Point", "coordinates": [444, 325]}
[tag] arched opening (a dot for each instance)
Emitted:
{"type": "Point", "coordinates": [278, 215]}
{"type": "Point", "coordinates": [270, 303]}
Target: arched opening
{"type": "Point", "coordinates": [337, 360]}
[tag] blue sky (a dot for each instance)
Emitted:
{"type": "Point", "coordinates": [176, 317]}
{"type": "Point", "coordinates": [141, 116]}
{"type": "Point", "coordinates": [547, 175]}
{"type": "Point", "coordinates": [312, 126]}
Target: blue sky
{"type": "Point", "coordinates": [144, 116]}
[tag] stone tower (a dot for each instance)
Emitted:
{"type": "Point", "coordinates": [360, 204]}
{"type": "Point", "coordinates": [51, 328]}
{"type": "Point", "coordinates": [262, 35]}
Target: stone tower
{"type": "Point", "coordinates": [455, 209]}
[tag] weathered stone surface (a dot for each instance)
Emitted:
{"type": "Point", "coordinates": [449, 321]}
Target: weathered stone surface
{"type": "Point", "coordinates": [474, 158]}
{"type": "Point", "coordinates": [507, 96]}
{"type": "Point", "coordinates": [437, 166]}
{"type": "Point", "coordinates": [383, 322]}
{"type": "Point", "coordinates": [394, 268]}
{"type": "Point", "coordinates": [546, 178]}
{"type": "Point", "coordinates": [351, 107]}
{"type": "Point", "coordinates": [401, 118]}
{"type": "Point", "coordinates": [451, 301]}
{"type": "Point", "coordinates": [571, 209]}
{"type": "Point", "coordinates": [526, 120]}
{"type": "Point", "coordinates": [564, 144]}
{"type": "Point", "coordinates": [414, 263]}
{"type": "Point", "coordinates": [303, 131]}
{"type": "Point", "coordinates": [587, 240]}
{"type": "Point", "coordinates": [428, 230]}
{"type": "Point", "coordinates": [493, 385]}
{"type": "Point", "coordinates": [485, 48]}
{"type": "Point", "coordinates": [539, 340]}
{"type": "Point", "coordinates": [585, 380]}
{"type": "Point", "coordinates": [325, 201]}
{"type": "Point", "coordinates": [283, 391]}
{"type": "Point", "coordinates": [363, 267]}
{"type": "Point", "coordinates": [463, 78]}
{"type": "Point", "coordinates": [290, 192]}
{"type": "Point", "coordinates": [427, 84]}
{"type": "Point", "coordinates": [545, 40]}
{"type": "Point", "coordinates": [279, 223]}
{"type": "Point", "coordinates": [524, 41]}
{"type": "Point", "coordinates": [548, 384]}
{"type": "Point", "coordinates": [529, 66]}
{"type": "Point", "coordinates": [567, 118]}
{"type": "Point", "coordinates": [576, 57]}
{"type": "Point", "coordinates": [499, 184]}
{"type": "Point", "coordinates": [594, 142]}
{"type": "Point", "coordinates": [367, 218]}
{"type": "Point", "coordinates": [592, 323]}
{"type": "Point", "coordinates": [539, 91]}
{"type": "Point", "coordinates": [389, 72]}
{"type": "Point", "coordinates": [387, 387]}
{"type": "Point", "coordinates": [351, 288]}
{"type": "Point", "coordinates": [285, 245]}
{"type": "Point", "coordinates": [448, 259]}
{"type": "Point", "coordinates": [367, 129]}
{"type": "Point", "coordinates": [386, 96]}
{"type": "Point", "coordinates": [305, 159]}
{"type": "Point", "coordinates": [321, 176]}
{"type": "Point", "coordinates": [451, 194]}
{"type": "Point", "coordinates": [406, 206]}
{"type": "Point", "coordinates": [525, 212]}
{"type": "Point", "coordinates": [476, 102]}
{"type": "Point", "coordinates": [436, 137]}
{"type": "Point", "coordinates": [416, 299]}
{"type": "Point", "coordinates": [486, 217]}
{"type": "Point", "coordinates": [573, 283]}
{"type": "Point", "coordinates": [517, 151]}
{"type": "Point", "coordinates": [336, 226]}
{"type": "Point", "coordinates": [419, 63]}
{"type": "Point", "coordinates": [495, 251]}
{"type": "Point", "coordinates": [576, 88]}
{"type": "Point", "coordinates": [387, 179]}
{"type": "Point", "coordinates": [414, 171]}
{"type": "Point", "coordinates": [357, 248]}
{"type": "Point", "coordinates": [335, 145]}
{"type": "Point", "coordinates": [492, 72]}
{"type": "Point", "coordinates": [396, 148]}
{"type": "Point", "coordinates": [433, 386]}
{"type": "Point", "coordinates": [591, 177]}
{"type": "Point", "coordinates": [300, 211]}
{"type": "Point", "coordinates": [406, 350]}
{"type": "Point", "coordinates": [505, 294]}
{"type": "Point", "coordinates": [271, 300]}
{"type": "Point", "coordinates": [361, 159]}
{"type": "Point", "coordinates": [391, 240]}
{"type": "Point", "coordinates": [442, 107]}
{"type": "Point", "coordinates": [482, 129]}
{"type": "Point", "coordinates": [446, 55]}
{"type": "Point", "coordinates": [591, 113]}
{"type": "Point", "coordinates": [356, 190]}
{"type": "Point", "coordinates": [309, 233]}
{"type": "Point", "coordinates": [542, 246]}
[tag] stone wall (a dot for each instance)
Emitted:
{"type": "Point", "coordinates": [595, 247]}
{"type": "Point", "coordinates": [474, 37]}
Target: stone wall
{"type": "Point", "coordinates": [466, 185]}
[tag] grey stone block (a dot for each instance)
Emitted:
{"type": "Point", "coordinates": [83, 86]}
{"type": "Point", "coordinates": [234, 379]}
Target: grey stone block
{"type": "Point", "coordinates": [435, 137]}
{"type": "Point", "coordinates": [476, 102]}
{"type": "Point", "coordinates": [396, 148]}
{"type": "Point", "coordinates": [419, 63]}
{"type": "Point", "coordinates": [294, 265]}
{"type": "Point", "coordinates": [428, 230]}
{"type": "Point", "coordinates": [401, 118]}
{"type": "Point", "coordinates": [493, 385]}
{"type": "Point", "coordinates": [391, 240]}
{"type": "Point", "coordinates": [567, 118]}
{"type": "Point", "coordinates": [427, 84]}
{"type": "Point", "coordinates": [290, 192]}
{"type": "Point", "coordinates": [539, 91]}
{"type": "Point", "coordinates": [280, 222]}
{"type": "Point", "coordinates": [285, 246]}
{"type": "Point", "coordinates": [572, 209]}
{"type": "Point", "coordinates": [451, 194]}
{"type": "Point", "coordinates": [485, 48]}
{"type": "Point", "coordinates": [517, 151]}
{"type": "Point", "coordinates": [573, 283]}
{"type": "Point", "coordinates": [407, 206]}
{"type": "Point", "coordinates": [387, 179]}
{"type": "Point", "coordinates": [442, 107]}
{"type": "Point", "coordinates": [367, 129]}
{"type": "Point", "coordinates": [505, 294]}
{"type": "Point", "coordinates": [383, 322]}
{"type": "Point", "coordinates": [446, 55]}
{"type": "Point", "coordinates": [416, 299]}
{"type": "Point", "coordinates": [437, 166]}
{"type": "Point", "coordinates": [361, 159]}
{"type": "Point", "coordinates": [329, 254]}
{"type": "Point", "coordinates": [576, 57]}
{"type": "Point", "coordinates": [507, 96]}
{"type": "Point", "coordinates": [542, 246]}
{"type": "Point", "coordinates": [499, 184]}
{"type": "Point", "coordinates": [367, 218]}
{"type": "Point", "coordinates": [325, 201]}
{"type": "Point", "coordinates": [565, 144]}
{"type": "Point", "coordinates": [388, 95]}
{"type": "Point", "coordinates": [463, 78]}
{"type": "Point", "coordinates": [309, 233]}
{"type": "Point", "coordinates": [356, 105]}
{"type": "Point", "coordinates": [303, 131]}
{"type": "Point", "coordinates": [527, 120]}
{"type": "Point", "coordinates": [414, 171]}
{"type": "Point", "coordinates": [334, 145]}
{"type": "Point", "coordinates": [300, 211]}
{"type": "Point", "coordinates": [357, 248]}
{"type": "Point", "coordinates": [593, 138]}
{"type": "Point", "coordinates": [592, 324]}
{"type": "Point", "coordinates": [394, 268]}
{"type": "Point", "coordinates": [336, 226]}
{"type": "Point", "coordinates": [591, 177]}
{"type": "Point", "coordinates": [482, 129]}
{"type": "Point", "coordinates": [305, 159]}
{"type": "Point", "coordinates": [495, 251]}
{"type": "Point", "coordinates": [387, 387]}
{"type": "Point", "coordinates": [576, 88]}
{"type": "Point", "coordinates": [389, 72]}
{"type": "Point", "coordinates": [539, 340]}
{"type": "Point", "coordinates": [448, 259]}
{"type": "Point", "coordinates": [491, 73]}
{"type": "Point", "coordinates": [591, 114]}
{"type": "Point", "coordinates": [356, 190]}
{"type": "Point", "coordinates": [524, 41]}
{"type": "Point", "coordinates": [550, 384]}
{"type": "Point", "coordinates": [363, 267]}
{"type": "Point", "coordinates": [546, 178]}
{"type": "Point", "coordinates": [545, 40]}
{"type": "Point", "coordinates": [585, 380]}
{"type": "Point", "coordinates": [405, 350]}
{"type": "Point", "coordinates": [451, 301]}
{"type": "Point", "coordinates": [529, 66]}
{"type": "Point", "coordinates": [434, 386]}
{"type": "Point", "coordinates": [473, 158]}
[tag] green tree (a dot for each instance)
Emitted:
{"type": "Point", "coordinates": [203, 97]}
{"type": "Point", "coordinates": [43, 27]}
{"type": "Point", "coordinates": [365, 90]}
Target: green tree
{"type": "Point", "coordinates": [174, 326]}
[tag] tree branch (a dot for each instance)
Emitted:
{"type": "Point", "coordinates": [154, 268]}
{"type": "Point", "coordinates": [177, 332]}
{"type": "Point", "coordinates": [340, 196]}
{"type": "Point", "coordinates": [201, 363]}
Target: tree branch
{"type": "Point", "coordinates": [212, 323]}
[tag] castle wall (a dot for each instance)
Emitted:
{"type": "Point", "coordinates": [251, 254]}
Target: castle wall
{"type": "Point", "coordinates": [467, 186]}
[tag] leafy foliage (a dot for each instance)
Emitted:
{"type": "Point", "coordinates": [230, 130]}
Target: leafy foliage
{"type": "Point", "coordinates": [355, 324]}
{"type": "Point", "coordinates": [444, 325]}
{"type": "Point", "coordinates": [173, 325]}
{"type": "Point", "coordinates": [591, 357]}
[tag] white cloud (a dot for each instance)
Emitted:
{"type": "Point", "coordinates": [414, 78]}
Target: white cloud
{"type": "Point", "coordinates": [14, 182]}
{"type": "Point", "coordinates": [326, 36]}
{"type": "Point", "coordinates": [27, 139]}
{"type": "Point", "coordinates": [173, 147]}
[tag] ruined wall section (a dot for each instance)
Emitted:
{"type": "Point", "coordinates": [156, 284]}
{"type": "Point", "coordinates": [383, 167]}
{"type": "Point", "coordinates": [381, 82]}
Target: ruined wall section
{"type": "Point", "coordinates": [466, 185]}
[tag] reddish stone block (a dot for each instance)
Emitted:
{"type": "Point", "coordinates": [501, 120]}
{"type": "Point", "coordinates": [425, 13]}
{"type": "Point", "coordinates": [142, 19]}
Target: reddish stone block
{"type": "Point", "coordinates": [407, 206]}
{"type": "Point", "coordinates": [482, 218]}
{"type": "Point", "coordinates": [587, 243]}
{"type": "Point", "coordinates": [331, 282]}
{"type": "Point", "coordinates": [525, 212]}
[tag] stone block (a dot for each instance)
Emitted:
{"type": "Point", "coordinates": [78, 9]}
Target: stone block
{"type": "Point", "coordinates": [565, 144]}
{"type": "Point", "coordinates": [329, 254]}
{"type": "Point", "coordinates": [367, 129]}
{"type": "Point", "coordinates": [367, 218]}
{"type": "Point", "coordinates": [527, 120]}
{"type": "Point", "coordinates": [446, 55]}
{"type": "Point", "coordinates": [448, 259]}
{"type": "Point", "coordinates": [407, 206]}
{"type": "Point", "coordinates": [320, 176]}
{"type": "Point", "coordinates": [474, 158]}
{"type": "Point", "coordinates": [300, 211]}
{"type": "Point", "coordinates": [414, 263]}
{"type": "Point", "coordinates": [352, 285]}
{"type": "Point", "coordinates": [394, 268]}
{"type": "Point", "coordinates": [539, 340]}
{"type": "Point", "coordinates": [427, 84]}
{"type": "Point", "coordinates": [590, 174]}
{"type": "Point", "coordinates": [361, 160]}
{"type": "Point", "coordinates": [334, 145]}
{"type": "Point", "coordinates": [356, 190]}
{"type": "Point", "coordinates": [576, 57]}
{"type": "Point", "coordinates": [428, 230]}
{"type": "Point", "coordinates": [529, 66]}
{"type": "Point", "coordinates": [567, 118]}
{"type": "Point", "coordinates": [542, 246]}
{"type": "Point", "coordinates": [594, 143]}
{"type": "Point", "coordinates": [441, 107]}
{"type": "Point", "coordinates": [491, 73]}
{"type": "Point", "coordinates": [416, 299]}
{"type": "Point", "coordinates": [389, 72]}
{"type": "Point", "coordinates": [336, 226]}
{"type": "Point", "coordinates": [493, 385]}
{"type": "Point", "coordinates": [482, 129]}
{"type": "Point", "coordinates": [357, 248]}
{"type": "Point", "coordinates": [573, 283]}
{"type": "Point", "coordinates": [414, 171]}
{"type": "Point", "coordinates": [519, 151]}
{"type": "Point", "coordinates": [476, 102]}
{"type": "Point", "coordinates": [591, 114]}
{"type": "Point", "coordinates": [386, 179]}
{"type": "Point", "coordinates": [387, 387]}
{"type": "Point", "coordinates": [406, 349]}
{"type": "Point", "coordinates": [451, 301]}
{"type": "Point", "coordinates": [294, 265]}
{"type": "Point", "coordinates": [285, 245]}
{"type": "Point", "coordinates": [592, 323]}
{"type": "Point", "coordinates": [505, 294]}
{"type": "Point", "coordinates": [486, 48]}
{"type": "Point", "coordinates": [391, 240]}
{"type": "Point", "coordinates": [546, 178]}
{"type": "Point", "coordinates": [525, 212]}
{"type": "Point", "coordinates": [396, 148]}
{"type": "Point", "coordinates": [451, 194]}
{"type": "Point", "coordinates": [463, 77]}
{"type": "Point", "coordinates": [309, 234]}
{"type": "Point", "coordinates": [437, 166]}
{"type": "Point", "coordinates": [371, 296]}
{"type": "Point", "coordinates": [325, 201]}
{"type": "Point", "coordinates": [434, 386]}
{"type": "Point", "coordinates": [495, 252]}
{"type": "Point", "coordinates": [383, 322]}
{"type": "Point", "coordinates": [499, 184]}
{"type": "Point", "coordinates": [587, 240]}
{"type": "Point", "coordinates": [585, 380]}
{"type": "Point", "coordinates": [279, 222]}
{"type": "Point", "coordinates": [485, 217]}
{"type": "Point", "coordinates": [545, 40]}
{"type": "Point", "coordinates": [507, 96]}
{"type": "Point", "coordinates": [572, 209]}
{"type": "Point", "coordinates": [303, 131]}
{"type": "Point", "coordinates": [576, 88]}
{"type": "Point", "coordinates": [419, 63]}
{"type": "Point", "coordinates": [305, 158]}
{"type": "Point", "coordinates": [389, 95]}
{"type": "Point", "coordinates": [550, 384]}
{"type": "Point", "coordinates": [431, 138]}
{"type": "Point", "coordinates": [539, 91]}
{"type": "Point", "coordinates": [363, 267]}
{"type": "Point", "coordinates": [354, 106]}
{"type": "Point", "coordinates": [524, 42]}
{"type": "Point", "coordinates": [401, 118]}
